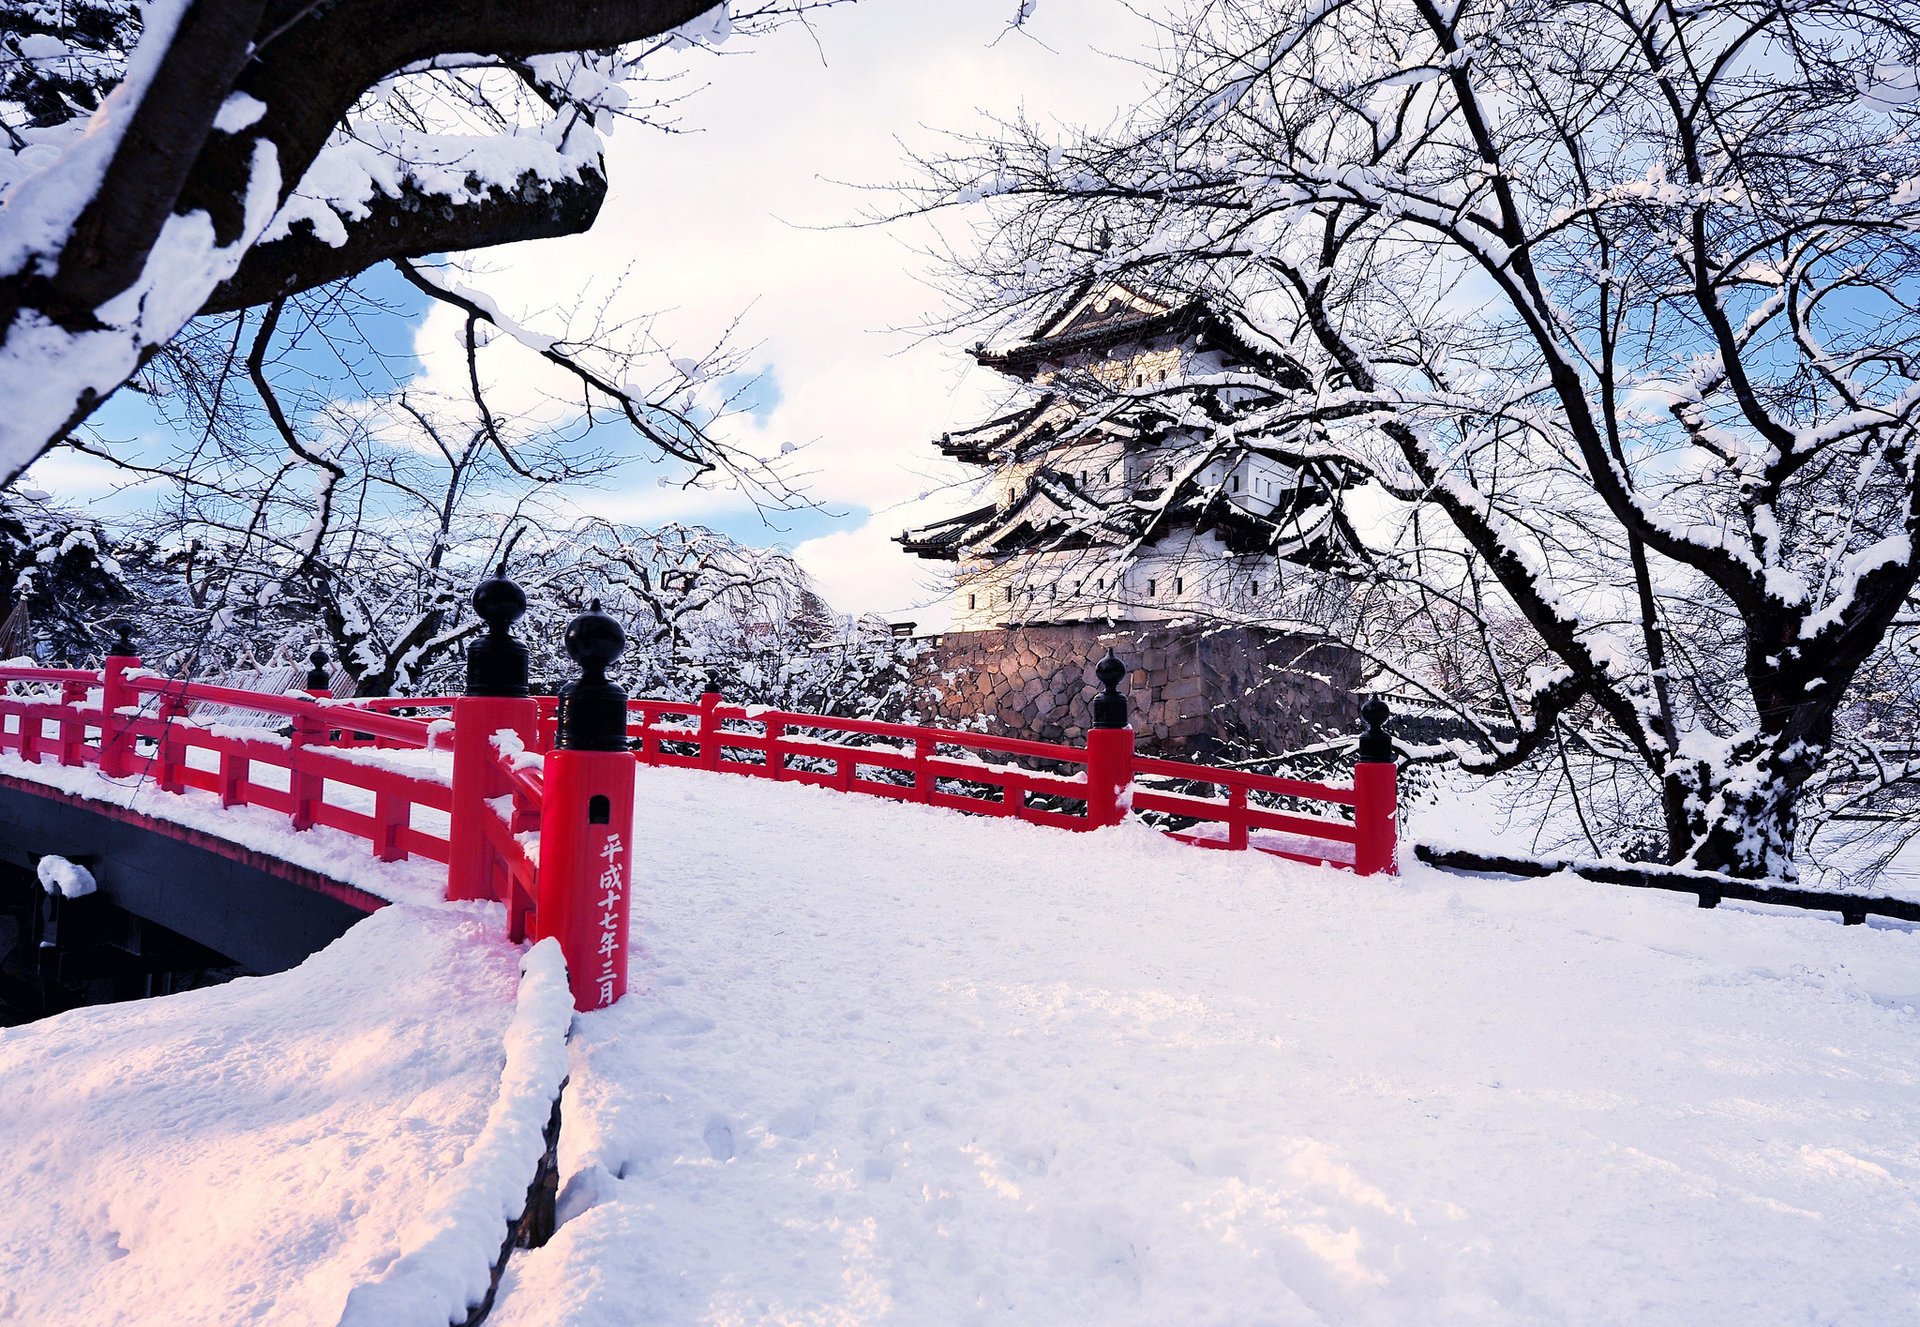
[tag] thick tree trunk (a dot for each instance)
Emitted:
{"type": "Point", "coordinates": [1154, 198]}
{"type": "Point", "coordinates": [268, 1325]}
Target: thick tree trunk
{"type": "Point", "coordinates": [1740, 817]}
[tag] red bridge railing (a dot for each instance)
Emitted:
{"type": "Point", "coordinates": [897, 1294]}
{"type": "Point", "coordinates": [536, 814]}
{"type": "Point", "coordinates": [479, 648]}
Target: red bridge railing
{"type": "Point", "coordinates": [129, 723]}
{"type": "Point", "coordinates": [521, 815]}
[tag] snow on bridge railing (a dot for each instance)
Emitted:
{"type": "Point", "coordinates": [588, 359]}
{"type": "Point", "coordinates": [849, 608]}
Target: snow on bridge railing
{"type": "Point", "coordinates": [536, 809]}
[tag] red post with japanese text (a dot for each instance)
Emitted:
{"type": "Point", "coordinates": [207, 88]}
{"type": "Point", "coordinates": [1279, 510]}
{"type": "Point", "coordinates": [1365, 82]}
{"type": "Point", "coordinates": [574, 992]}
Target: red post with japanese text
{"type": "Point", "coordinates": [586, 869]}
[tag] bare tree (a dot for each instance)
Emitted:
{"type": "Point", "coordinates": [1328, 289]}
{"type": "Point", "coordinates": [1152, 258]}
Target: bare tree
{"type": "Point", "coordinates": [177, 158]}
{"type": "Point", "coordinates": [1625, 295]}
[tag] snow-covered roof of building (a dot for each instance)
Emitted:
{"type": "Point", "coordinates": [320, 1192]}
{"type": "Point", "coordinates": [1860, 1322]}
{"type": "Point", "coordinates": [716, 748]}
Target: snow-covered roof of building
{"type": "Point", "coordinates": [1101, 313]}
{"type": "Point", "coordinates": [1303, 525]}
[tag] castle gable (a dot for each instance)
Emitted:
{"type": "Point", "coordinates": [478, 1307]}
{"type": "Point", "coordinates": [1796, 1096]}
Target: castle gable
{"type": "Point", "coordinates": [1100, 306]}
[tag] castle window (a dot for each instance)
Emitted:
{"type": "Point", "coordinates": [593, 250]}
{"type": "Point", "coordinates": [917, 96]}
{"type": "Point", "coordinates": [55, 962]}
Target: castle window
{"type": "Point", "coordinates": [1151, 587]}
{"type": "Point", "coordinates": [1009, 594]}
{"type": "Point", "coordinates": [973, 601]}
{"type": "Point", "coordinates": [1256, 588]}
{"type": "Point", "coordinates": [1236, 483]}
{"type": "Point", "coordinates": [1179, 585]}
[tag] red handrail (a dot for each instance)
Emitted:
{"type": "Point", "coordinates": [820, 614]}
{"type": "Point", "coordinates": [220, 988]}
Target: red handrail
{"type": "Point", "coordinates": [141, 725]}
{"type": "Point", "coordinates": [711, 734]}
{"type": "Point", "coordinates": [154, 735]}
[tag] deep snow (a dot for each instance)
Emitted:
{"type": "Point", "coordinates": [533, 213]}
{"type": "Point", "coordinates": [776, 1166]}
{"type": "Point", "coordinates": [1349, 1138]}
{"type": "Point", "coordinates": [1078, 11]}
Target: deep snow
{"type": "Point", "coordinates": [887, 1064]}
{"type": "Point", "coordinates": [250, 1152]}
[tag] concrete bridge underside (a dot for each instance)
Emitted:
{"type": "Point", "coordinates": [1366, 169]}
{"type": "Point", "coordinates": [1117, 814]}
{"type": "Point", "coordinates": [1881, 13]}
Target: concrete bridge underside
{"type": "Point", "coordinates": [264, 914]}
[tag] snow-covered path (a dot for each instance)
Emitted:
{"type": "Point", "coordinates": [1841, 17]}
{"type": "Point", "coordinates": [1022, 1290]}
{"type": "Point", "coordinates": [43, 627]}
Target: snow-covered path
{"type": "Point", "coordinates": [884, 1064]}
{"type": "Point", "coordinates": [250, 1152]}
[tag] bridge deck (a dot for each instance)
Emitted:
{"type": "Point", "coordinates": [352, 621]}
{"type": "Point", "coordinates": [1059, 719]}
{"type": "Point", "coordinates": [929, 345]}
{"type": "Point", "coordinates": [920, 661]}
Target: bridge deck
{"type": "Point", "coordinates": [883, 1064]}
{"type": "Point", "coordinates": [250, 1152]}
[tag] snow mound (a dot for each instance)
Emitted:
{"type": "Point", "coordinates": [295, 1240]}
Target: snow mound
{"type": "Point", "coordinates": [250, 1152]}
{"type": "Point", "coordinates": [65, 878]}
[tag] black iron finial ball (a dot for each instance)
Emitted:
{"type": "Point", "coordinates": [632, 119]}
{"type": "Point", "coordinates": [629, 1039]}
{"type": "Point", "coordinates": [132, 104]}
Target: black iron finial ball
{"type": "Point", "coordinates": [1375, 743]}
{"type": "Point", "coordinates": [593, 710]}
{"type": "Point", "coordinates": [499, 602]}
{"type": "Point", "coordinates": [496, 662]}
{"type": "Point", "coordinates": [1110, 707]}
{"type": "Point", "coordinates": [123, 645]}
{"type": "Point", "coordinates": [318, 678]}
{"type": "Point", "coordinates": [594, 640]}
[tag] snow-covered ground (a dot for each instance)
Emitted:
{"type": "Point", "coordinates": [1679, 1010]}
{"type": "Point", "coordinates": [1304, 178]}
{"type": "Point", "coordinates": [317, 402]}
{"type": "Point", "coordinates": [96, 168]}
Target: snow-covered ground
{"type": "Point", "coordinates": [889, 1064]}
{"type": "Point", "coordinates": [251, 1152]}
{"type": "Point", "coordinates": [885, 1064]}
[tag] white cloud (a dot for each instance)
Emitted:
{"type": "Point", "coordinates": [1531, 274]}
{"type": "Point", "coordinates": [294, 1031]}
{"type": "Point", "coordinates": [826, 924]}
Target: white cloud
{"type": "Point", "coordinates": [729, 219]}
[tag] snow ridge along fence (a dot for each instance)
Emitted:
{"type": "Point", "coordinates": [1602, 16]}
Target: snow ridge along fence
{"type": "Point", "coordinates": [535, 820]}
{"type": "Point", "coordinates": [506, 1180]}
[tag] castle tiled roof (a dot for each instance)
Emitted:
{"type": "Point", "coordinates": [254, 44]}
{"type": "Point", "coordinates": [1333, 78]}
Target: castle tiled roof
{"type": "Point", "coordinates": [1080, 325]}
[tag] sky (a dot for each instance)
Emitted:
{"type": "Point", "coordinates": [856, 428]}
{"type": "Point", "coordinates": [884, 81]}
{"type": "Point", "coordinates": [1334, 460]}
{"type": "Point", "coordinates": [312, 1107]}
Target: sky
{"type": "Point", "coordinates": [744, 216]}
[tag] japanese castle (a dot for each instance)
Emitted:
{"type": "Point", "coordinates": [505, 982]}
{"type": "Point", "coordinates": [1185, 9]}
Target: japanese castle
{"type": "Point", "coordinates": [1105, 507]}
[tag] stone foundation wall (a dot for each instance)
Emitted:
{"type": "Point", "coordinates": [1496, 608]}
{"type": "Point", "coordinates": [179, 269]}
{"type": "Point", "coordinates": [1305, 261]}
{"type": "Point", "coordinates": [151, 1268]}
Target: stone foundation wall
{"type": "Point", "coordinates": [1192, 689]}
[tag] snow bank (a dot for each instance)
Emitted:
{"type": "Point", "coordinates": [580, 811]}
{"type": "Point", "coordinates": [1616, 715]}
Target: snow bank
{"type": "Point", "coordinates": [885, 1064]}
{"type": "Point", "coordinates": [450, 1268]}
{"type": "Point", "coordinates": [249, 1152]}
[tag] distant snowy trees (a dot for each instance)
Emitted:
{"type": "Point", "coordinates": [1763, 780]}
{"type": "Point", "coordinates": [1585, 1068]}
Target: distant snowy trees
{"type": "Point", "coordinates": [1616, 306]}
{"type": "Point", "coordinates": [179, 158]}
{"type": "Point", "coordinates": [389, 600]}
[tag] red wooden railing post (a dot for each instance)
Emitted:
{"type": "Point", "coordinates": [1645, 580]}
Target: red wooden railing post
{"type": "Point", "coordinates": [710, 726]}
{"type": "Point", "coordinates": [1376, 796]}
{"type": "Point", "coordinates": [168, 758]}
{"type": "Point", "coordinates": [72, 731]}
{"type": "Point", "coordinates": [1110, 748]}
{"type": "Point", "coordinates": [586, 825]}
{"type": "Point", "coordinates": [116, 694]}
{"type": "Point", "coordinates": [496, 698]}
{"type": "Point", "coordinates": [305, 788]}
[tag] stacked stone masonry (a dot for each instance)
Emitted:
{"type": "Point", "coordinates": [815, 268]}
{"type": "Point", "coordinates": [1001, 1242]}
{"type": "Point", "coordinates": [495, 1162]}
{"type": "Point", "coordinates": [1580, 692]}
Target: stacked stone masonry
{"type": "Point", "coordinates": [1193, 690]}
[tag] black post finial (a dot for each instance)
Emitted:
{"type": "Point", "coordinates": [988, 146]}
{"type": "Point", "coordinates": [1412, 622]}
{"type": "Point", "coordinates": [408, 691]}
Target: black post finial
{"type": "Point", "coordinates": [318, 676]}
{"type": "Point", "coordinates": [123, 645]}
{"type": "Point", "coordinates": [1375, 745]}
{"type": "Point", "coordinates": [593, 710]}
{"type": "Point", "coordinates": [497, 663]}
{"type": "Point", "coordinates": [1110, 707]}
{"type": "Point", "coordinates": [713, 686]}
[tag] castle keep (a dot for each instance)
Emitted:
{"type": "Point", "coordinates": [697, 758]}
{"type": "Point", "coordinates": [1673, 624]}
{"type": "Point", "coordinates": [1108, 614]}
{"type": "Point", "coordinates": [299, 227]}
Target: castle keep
{"type": "Point", "coordinates": [1115, 517]}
